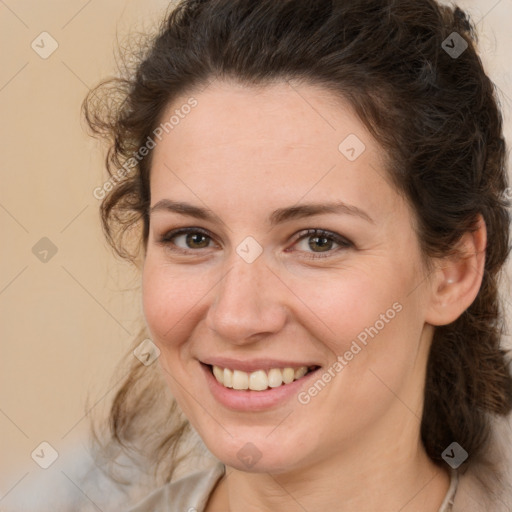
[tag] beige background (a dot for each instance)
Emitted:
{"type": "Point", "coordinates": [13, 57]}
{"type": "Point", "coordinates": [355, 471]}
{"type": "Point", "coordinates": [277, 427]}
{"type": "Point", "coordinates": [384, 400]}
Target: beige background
{"type": "Point", "coordinates": [66, 322]}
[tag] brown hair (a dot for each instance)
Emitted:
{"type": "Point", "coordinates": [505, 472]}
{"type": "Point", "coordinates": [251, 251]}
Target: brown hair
{"type": "Point", "coordinates": [435, 114]}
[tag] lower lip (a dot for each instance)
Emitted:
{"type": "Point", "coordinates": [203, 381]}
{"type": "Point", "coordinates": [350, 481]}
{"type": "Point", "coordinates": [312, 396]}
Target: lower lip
{"type": "Point", "coordinates": [248, 400]}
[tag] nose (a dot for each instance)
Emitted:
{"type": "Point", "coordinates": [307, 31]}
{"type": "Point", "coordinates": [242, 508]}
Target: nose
{"type": "Point", "coordinates": [248, 303]}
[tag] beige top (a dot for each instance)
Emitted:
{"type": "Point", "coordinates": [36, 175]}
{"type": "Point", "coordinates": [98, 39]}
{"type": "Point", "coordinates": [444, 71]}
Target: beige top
{"type": "Point", "coordinates": [191, 493]}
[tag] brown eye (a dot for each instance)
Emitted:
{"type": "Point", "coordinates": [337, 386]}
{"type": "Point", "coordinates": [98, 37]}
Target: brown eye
{"type": "Point", "coordinates": [196, 240]}
{"type": "Point", "coordinates": [186, 239]}
{"type": "Point", "coordinates": [318, 243]}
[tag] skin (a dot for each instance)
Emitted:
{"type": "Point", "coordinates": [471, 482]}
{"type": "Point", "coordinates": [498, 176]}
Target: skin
{"type": "Point", "coordinates": [244, 152]}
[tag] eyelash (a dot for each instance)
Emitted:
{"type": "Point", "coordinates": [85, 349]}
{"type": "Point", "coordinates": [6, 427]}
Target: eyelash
{"type": "Point", "coordinates": [343, 243]}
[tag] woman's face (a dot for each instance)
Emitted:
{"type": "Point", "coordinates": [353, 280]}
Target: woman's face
{"type": "Point", "coordinates": [299, 253]}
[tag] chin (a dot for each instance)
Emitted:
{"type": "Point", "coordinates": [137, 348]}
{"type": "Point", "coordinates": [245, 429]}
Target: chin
{"type": "Point", "coordinates": [253, 454]}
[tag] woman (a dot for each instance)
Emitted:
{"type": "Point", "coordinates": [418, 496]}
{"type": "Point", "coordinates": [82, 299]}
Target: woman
{"type": "Point", "coordinates": [321, 197]}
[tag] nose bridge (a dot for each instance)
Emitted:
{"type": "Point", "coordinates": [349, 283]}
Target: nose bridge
{"type": "Point", "coordinates": [246, 302]}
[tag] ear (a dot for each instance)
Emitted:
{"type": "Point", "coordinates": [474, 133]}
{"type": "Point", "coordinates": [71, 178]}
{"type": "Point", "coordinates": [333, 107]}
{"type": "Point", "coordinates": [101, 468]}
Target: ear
{"type": "Point", "coordinates": [457, 279]}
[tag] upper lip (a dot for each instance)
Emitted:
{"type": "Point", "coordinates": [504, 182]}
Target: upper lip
{"type": "Point", "coordinates": [254, 364]}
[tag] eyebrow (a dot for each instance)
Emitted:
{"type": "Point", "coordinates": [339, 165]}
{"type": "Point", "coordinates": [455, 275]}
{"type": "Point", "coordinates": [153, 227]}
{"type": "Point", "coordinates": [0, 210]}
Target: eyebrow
{"type": "Point", "coordinates": [278, 216]}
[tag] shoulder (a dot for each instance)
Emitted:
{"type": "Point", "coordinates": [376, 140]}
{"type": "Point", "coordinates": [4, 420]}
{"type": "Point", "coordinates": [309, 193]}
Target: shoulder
{"type": "Point", "coordinates": [188, 494]}
{"type": "Point", "coordinates": [474, 496]}
{"type": "Point", "coordinates": [482, 487]}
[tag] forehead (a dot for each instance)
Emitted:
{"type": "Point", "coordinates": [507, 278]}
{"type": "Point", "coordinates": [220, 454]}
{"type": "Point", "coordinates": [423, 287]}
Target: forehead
{"type": "Point", "coordinates": [280, 115]}
{"type": "Point", "coordinates": [254, 142]}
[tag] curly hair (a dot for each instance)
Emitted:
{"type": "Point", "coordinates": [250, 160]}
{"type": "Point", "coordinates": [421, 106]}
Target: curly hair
{"type": "Point", "coordinates": [434, 112]}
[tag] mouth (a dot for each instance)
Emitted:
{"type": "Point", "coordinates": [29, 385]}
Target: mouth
{"type": "Point", "coordinates": [259, 380]}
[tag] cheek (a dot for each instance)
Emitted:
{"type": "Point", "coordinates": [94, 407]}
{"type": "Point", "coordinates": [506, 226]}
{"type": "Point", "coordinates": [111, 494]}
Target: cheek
{"type": "Point", "coordinates": [373, 324]}
{"type": "Point", "coordinates": [379, 343]}
{"type": "Point", "coordinates": [349, 304]}
{"type": "Point", "coordinates": [171, 304]}
{"type": "Point", "coordinates": [170, 301]}
{"type": "Point", "coordinates": [159, 308]}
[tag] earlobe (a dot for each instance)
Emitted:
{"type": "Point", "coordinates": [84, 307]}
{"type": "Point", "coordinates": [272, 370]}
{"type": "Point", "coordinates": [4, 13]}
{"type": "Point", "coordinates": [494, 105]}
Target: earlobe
{"type": "Point", "coordinates": [457, 278]}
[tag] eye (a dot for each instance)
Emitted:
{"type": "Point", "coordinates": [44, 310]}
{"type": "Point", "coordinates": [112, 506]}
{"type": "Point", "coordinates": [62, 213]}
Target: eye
{"type": "Point", "coordinates": [319, 243]}
{"type": "Point", "coordinates": [313, 243]}
{"type": "Point", "coordinates": [187, 239]}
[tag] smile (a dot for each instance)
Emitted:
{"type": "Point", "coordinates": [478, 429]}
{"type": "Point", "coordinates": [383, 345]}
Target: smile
{"type": "Point", "coordinates": [259, 380]}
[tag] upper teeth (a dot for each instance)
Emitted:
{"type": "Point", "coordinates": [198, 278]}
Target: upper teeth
{"type": "Point", "coordinates": [258, 380]}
